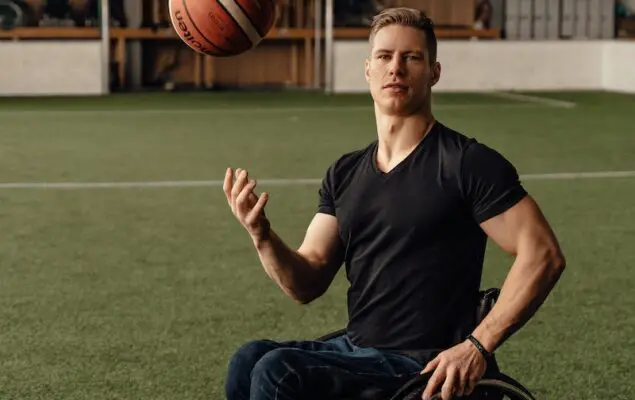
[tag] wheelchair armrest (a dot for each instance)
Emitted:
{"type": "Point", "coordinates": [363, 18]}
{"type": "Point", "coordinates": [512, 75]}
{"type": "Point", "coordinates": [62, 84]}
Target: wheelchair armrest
{"type": "Point", "coordinates": [487, 299]}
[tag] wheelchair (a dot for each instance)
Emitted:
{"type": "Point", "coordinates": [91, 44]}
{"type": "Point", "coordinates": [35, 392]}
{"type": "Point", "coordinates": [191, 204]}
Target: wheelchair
{"type": "Point", "coordinates": [494, 385]}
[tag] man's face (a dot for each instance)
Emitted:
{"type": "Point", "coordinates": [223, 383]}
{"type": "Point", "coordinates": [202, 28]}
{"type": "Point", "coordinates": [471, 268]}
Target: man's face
{"type": "Point", "coordinates": [399, 70]}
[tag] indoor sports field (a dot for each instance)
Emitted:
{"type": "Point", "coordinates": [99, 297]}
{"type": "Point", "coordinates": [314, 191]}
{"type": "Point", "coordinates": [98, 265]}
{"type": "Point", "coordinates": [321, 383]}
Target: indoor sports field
{"type": "Point", "coordinates": [123, 274]}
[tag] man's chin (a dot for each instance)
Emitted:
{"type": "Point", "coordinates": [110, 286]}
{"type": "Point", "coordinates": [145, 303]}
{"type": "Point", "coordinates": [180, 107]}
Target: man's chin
{"type": "Point", "coordinates": [396, 107]}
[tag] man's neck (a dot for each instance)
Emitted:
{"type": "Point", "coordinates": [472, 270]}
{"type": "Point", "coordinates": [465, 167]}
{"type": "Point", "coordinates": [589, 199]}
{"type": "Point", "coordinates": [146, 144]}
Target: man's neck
{"type": "Point", "coordinates": [398, 136]}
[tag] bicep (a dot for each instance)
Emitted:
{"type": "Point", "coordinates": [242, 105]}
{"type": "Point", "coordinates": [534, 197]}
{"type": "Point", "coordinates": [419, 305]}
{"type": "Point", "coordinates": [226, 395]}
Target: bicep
{"type": "Point", "coordinates": [322, 245]}
{"type": "Point", "coordinates": [522, 230]}
{"type": "Point", "coordinates": [500, 204]}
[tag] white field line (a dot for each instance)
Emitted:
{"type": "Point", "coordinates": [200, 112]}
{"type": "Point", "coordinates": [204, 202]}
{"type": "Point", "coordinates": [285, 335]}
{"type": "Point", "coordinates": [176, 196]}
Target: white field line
{"type": "Point", "coordinates": [265, 110]}
{"type": "Point", "coordinates": [533, 99]}
{"type": "Point", "coordinates": [578, 175]}
{"type": "Point", "coordinates": [275, 182]}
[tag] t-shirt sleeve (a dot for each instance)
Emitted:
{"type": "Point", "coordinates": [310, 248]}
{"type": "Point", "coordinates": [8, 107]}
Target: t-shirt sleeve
{"type": "Point", "coordinates": [326, 204]}
{"type": "Point", "coordinates": [490, 183]}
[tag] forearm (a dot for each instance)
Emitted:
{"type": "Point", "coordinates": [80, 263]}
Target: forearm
{"type": "Point", "coordinates": [526, 287]}
{"type": "Point", "coordinates": [293, 272]}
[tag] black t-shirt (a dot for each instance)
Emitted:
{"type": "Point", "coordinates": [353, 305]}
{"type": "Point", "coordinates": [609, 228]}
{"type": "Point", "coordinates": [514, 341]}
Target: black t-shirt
{"type": "Point", "coordinates": [414, 247]}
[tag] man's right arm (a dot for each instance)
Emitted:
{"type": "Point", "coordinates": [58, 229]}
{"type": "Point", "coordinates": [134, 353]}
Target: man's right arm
{"type": "Point", "coordinates": [304, 274]}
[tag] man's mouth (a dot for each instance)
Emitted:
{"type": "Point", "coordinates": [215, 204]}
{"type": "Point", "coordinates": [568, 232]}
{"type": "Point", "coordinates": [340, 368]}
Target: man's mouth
{"type": "Point", "coordinates": [396, 87]}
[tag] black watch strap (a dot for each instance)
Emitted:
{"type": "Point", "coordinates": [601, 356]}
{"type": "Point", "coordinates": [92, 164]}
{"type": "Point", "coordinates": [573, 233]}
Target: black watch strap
{"type": "Point", "coordinates": [480, 347]}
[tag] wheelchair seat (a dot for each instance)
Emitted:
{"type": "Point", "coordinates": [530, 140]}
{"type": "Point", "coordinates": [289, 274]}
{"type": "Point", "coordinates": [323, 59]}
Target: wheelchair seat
{"type": "Point", "coordinates": [494, 385]}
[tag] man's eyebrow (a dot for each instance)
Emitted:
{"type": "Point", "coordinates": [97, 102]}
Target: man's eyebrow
{"type": "Point", "coordinates": [414, 51]}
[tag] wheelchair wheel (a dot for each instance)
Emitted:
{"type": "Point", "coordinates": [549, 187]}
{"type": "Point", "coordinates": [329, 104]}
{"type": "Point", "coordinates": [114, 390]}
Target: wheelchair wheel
{"type": "Point", "coordinates": [496, 387]}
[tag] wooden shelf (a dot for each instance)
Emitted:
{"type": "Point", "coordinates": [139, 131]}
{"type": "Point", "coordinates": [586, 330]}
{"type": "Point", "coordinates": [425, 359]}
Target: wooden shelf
{"type": "Point", "coordinates": [50, 33]}
{"type": "Point", "coordinates": [59, 33]}
{"type": "Point", "coordinates": [441, 33]}
{"type": "Point", "coordinates": [167, 33]}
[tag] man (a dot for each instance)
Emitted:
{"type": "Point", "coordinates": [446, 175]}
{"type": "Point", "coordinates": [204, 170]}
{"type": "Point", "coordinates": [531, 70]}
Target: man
{"type": "Point", "coordinates": [409, 217]}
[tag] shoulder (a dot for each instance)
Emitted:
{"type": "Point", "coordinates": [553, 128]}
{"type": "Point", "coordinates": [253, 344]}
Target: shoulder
{"type": "Point", "coordinates": [480, 159]}
{"type": "Point", "coordinates": [461, 153]}
{"type": "Point", "coordinates": [344, 166]}
{"type": "Point", "coordinates": [452, 142]}
{"type": "Point", "coordinates": [352, 158]}
{"type": "Point", "coordinates": [487, 180]}
{"type": "Point", "coordinates": [337, 174]}
{"type": "Point", "coordinates": [450, 148]}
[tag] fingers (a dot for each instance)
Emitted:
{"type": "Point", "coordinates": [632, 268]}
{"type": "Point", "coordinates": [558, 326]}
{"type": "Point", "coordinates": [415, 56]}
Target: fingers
{"type": "Point", "coordinates": [252, 199]}
{"type": "Point", "coordinates": [245, 204]}
{"type": "Point", "coordinates": [448, 380]}
{"type": "Point", "coordinates": [256, 212]}
{"type": "Point", "coordinates": [242, 200]}
{"type": "Point", "coordinates": [232, 188]}
{"type": "Point", "coordinates": [228, 183]}
{"type": "Point", "coordinates": [471, 382]}
{"type": "Point", "coordinates": [449, 386]}
{"type": "Point", "coordinates": [456, 373]}
{"type": "Point", "coordinates": [241, 178]}
{"type": "Point", "coordinates": [460, 385]}
{"type": "Point", "coordinates": [431, 365]}
{"type": "Point", "coordinates": [470, 386]}
{"type": "Point", "coordinates": [433, 383]}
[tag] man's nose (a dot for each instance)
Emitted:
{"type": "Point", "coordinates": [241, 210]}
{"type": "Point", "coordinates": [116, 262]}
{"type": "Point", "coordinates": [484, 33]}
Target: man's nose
{"type": "Point", "coordinates": [396, 66]}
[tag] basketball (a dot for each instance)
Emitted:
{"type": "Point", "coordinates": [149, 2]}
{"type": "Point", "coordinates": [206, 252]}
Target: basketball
{"type": "Point", "coordinates": [222, 28]}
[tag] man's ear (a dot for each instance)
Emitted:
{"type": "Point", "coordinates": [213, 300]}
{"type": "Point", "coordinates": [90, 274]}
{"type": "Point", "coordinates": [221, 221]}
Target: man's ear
{"type": "Point", "coordinates": [367, 70]}
{"type": "Point", "coordinates": [436, 73]}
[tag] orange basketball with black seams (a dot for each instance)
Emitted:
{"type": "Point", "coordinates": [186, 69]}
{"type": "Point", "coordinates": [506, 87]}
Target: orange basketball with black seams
{"type": "Point", "coordinates": [222, 28]}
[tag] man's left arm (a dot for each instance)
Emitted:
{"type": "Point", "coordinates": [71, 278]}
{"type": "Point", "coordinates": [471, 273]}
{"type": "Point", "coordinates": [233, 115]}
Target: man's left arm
{"type": "Point", "coordinates": [523, 232]}
{"type": "Point", "coordinates": [513, 220]}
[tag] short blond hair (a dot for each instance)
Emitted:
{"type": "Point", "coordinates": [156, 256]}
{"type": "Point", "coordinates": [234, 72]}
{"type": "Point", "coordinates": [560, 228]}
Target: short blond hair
{"type": "Point", "coordinates": [410, 17]}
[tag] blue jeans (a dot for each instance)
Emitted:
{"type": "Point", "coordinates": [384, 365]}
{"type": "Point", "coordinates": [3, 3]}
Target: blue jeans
{"type": "Point", "coordinates": [336, 369]}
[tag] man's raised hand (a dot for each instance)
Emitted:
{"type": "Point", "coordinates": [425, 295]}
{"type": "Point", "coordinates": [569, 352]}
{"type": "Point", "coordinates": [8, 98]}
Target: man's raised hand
{"type": "Point", "coordinates": [245, 205]}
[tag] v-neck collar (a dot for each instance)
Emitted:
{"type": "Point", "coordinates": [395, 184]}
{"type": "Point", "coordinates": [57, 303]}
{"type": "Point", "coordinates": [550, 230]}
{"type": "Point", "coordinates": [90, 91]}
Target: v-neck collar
{"type": "Point", "coordinates": [418, 148]}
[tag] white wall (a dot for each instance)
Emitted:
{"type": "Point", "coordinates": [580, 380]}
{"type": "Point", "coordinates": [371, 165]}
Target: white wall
{"type": "Point", "coordinates": [619, 67]}
{"type": "Point", "coordinates": [500, 65]}
{"type": "Point", "coordinates": [630, 5]}
{"type": "Point", "coordinates": [50, 68]}
{"type": "Point", "coordinates": [527, 65]}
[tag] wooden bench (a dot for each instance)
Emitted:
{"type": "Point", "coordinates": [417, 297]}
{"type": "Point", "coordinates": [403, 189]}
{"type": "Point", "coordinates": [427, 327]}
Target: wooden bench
{"type": "Point", "coordinates": [204, 66]}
